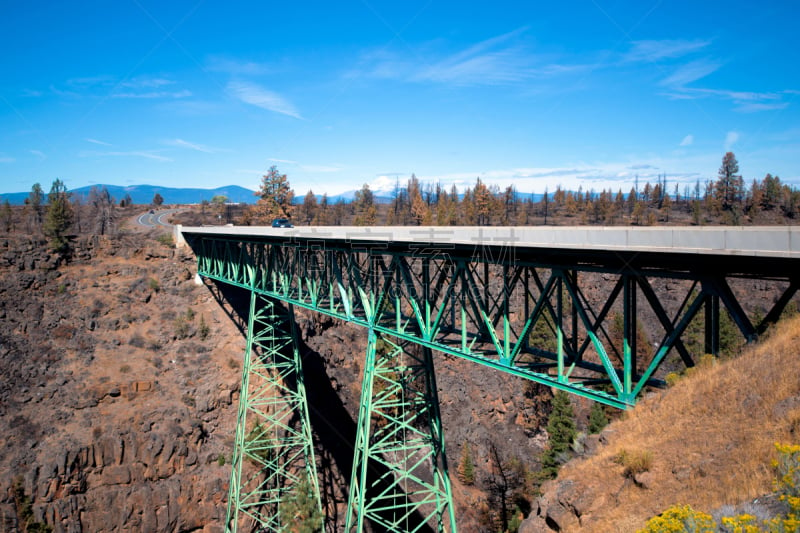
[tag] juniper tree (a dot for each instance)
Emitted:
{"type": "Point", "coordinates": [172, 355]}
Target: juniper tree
{"type": "Point", "coordinates": [597, 418]}
{"type": "Point", "coordinates": [59, 216]}
{"type": "Point", "coordinates": [561, 430]}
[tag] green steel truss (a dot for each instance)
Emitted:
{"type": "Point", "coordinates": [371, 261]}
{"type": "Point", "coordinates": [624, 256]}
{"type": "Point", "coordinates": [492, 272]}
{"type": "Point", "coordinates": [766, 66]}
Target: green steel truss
{"type": "Point", "coordinates": [273, 449]}
{"type": "Point", "coordinates": [400, 430]}
{"type": "Point", "coordinates": [488, 306]}
{"type": "Point", "coordinates": [485, 308]}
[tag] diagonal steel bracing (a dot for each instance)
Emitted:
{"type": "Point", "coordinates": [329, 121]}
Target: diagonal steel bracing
{"type": "Point", "coordinates": [400, 433]}
{"type": "Point", "coordinates": [273, 453]}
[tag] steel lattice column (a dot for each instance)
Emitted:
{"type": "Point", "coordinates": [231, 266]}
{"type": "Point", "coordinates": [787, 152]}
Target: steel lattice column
{"type": "Point", "coordinates": [399, 481]}
{"type": "Point", "coordinates": [273, 453]}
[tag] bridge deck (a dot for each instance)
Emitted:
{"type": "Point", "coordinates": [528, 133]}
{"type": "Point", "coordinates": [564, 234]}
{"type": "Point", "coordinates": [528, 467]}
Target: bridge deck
{"type": "Point", "coordinates": [762, 250]}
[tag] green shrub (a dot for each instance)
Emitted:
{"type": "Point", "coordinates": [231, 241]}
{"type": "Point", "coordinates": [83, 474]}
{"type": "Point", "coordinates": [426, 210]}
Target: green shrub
{"type": "Point", "coordinates": [203, 330]}
{"type": "Point", "coordinates": [181, 328]}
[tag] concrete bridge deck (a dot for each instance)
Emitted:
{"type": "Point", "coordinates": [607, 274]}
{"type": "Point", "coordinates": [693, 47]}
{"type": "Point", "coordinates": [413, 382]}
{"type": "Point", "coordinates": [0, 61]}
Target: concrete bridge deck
{"type": "Point", "coordinates": [753, 241]}
{"type": "Point", "coordinates": [754, 251]}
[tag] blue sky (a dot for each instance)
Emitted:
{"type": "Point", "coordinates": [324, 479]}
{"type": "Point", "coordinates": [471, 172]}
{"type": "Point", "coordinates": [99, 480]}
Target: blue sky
{"type": "Point", "coordinates": [342, 93]}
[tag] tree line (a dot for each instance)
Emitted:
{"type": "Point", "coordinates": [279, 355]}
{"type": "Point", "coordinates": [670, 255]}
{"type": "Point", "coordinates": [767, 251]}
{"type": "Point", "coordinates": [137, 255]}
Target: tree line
{"type": "Point", "coordinates": [59, 213]}
{"type": "Point", "coordinates": [725, 200]}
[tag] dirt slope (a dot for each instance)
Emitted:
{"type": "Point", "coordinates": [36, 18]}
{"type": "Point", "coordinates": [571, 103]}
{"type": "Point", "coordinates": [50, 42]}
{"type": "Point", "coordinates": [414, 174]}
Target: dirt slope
{"type": "Point", "coordinates": [710, 438]}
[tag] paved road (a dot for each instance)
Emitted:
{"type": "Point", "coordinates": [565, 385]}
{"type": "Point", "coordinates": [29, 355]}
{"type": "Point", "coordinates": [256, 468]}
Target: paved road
{"type": "Point", "coordinates": [156, 218]}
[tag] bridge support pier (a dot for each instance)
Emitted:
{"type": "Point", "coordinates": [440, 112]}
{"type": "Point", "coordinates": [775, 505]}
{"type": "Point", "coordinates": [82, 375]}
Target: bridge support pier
{"type": "Point", "coordinates": [399, 481]}
{"type": "Point", "coordinates": [273, 456]}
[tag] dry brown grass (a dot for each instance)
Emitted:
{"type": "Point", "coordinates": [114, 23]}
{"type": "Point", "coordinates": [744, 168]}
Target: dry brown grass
{"type": "Point", "coordinates": [711, 437]}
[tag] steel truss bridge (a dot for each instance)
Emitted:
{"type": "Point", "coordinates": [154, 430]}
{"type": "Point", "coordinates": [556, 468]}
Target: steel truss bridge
{"type": "Point", "coordinates": [487, 295]}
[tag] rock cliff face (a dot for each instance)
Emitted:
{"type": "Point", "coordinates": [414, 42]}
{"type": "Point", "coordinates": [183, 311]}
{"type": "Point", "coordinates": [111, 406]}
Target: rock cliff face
{"type": "Point", "coordinates": [121, 379]}
{"type": "Point", "coordinates": [119, 376]}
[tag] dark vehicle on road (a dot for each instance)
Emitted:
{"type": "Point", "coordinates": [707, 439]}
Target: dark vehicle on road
{"type": "Point", "coordinates": [281, 223]}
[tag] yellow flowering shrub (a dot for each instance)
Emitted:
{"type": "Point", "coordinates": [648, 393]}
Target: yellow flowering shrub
{"type": "Point", "coordinates": [745, 523]}
{"type": "Point", "coordinates": [680, 519]}
{"type": "Point", "coordinates": [684, 519]}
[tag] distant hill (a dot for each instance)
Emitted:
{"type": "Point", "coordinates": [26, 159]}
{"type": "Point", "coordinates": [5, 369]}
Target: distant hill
{"type": "Point", "coordinates": [143, 194]}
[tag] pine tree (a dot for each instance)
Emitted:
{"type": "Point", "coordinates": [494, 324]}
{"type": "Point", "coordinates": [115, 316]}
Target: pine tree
{"type": "Point", "coordinates": [102, 205]}
{"type": "Point", "coordinates": [364, 207]}
{"type": "Point", "coordinates": [34, 203]}
{"type": "Point", "coordinates": [309, 207]}
{"type": "Point", "coordinates": [275, 196]}
{"type": "Point", "coordinates": [59, 216]}
{"type": "Point", "coordinates": [484, 203]}
{"type": "Point", "coordinates": [466, 466]}
{"type": "Point", "coordinates": [561, 430]}
{"type": "Point", "coordinates": [729, 187]}
{"type": "Point", "coordinates": [419, 209]}
{"type": "Point", "coordinates": [597, 418]}
{"type": "Point", "coordinates": [158, 200]}
{"type": "Point", "coordinates": [6, 216]}
{"type": "Point", "coordinates": [300, 512]}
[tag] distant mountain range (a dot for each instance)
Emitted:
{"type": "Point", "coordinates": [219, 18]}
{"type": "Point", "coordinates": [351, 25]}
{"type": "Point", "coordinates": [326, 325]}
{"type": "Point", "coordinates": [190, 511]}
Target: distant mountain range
{"type": "Point", "coordinates": [143, 194]}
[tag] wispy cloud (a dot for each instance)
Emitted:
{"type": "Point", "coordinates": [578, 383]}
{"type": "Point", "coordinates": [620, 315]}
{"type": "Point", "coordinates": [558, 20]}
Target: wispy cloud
{"type": "Point", "coordinates": [744, 101]}
{"type": "Point", "coordinates": [236, 67]}
{"type": "Point", "coordinates": [154, 94]}
{"type": "Point", "coordinates": [755, 107]}
{"type": "Point", "coordinates": [497, 61]}
{"type": "Point", "coordinates": [253, 94]}
{"type": "Point", "coordinates": [494, 61]}
{"type": "Point", "coordinates": [731, 138]}
{"type": "Point", "coordinates": [38, 153]}
{"type": "Point", "coordinates": [146, 82]}
{"type": "Point", "coordinates": [180, 143]}
{"type": "Point", "coordinates": [321, 168]}
{"type": "Point", "coordinates": [652, 51]}
{"type": "Point", "coordinates": [134, 153]}
{"type": "Point", "coordinates": [91, 81]}
{"type": "Point", "coordinates": [95, 141]}
{"type": "Point", "coordinates": [688, 140]}
{"type": "Point", "coordinates": [308, 168]}
{"type": "Point", "coordinates": [690, 72]}
{"type": "Point", "coordinates": [6, 158]}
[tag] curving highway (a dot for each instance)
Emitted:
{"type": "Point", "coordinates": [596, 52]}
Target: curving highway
{"type": "Point", "coordinates": [155, 219]}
